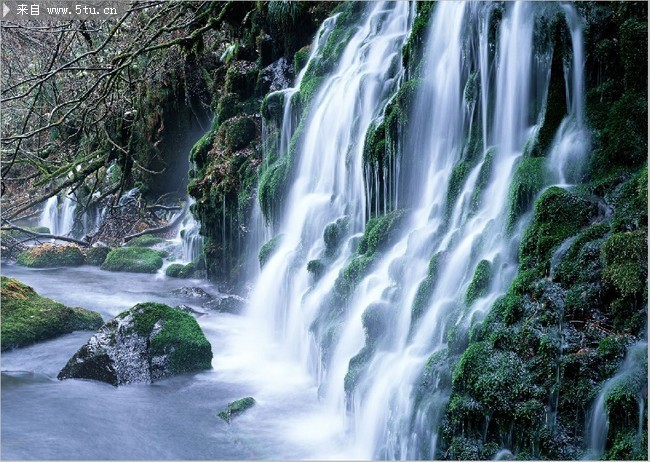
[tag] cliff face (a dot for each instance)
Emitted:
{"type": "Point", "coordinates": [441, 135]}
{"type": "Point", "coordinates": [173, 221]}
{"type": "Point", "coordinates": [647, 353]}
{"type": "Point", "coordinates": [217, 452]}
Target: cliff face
{"type": "Point", "coordinates": [528, 375]}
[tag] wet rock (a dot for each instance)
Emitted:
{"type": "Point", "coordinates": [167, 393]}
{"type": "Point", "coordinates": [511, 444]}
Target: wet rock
{"type": "Point", "coordinates": [236, 408]}
{"type": "Point", "coordinates": [232, 304]}
{"type": "Point", "coordinates": [189, 310]}
{"type": "Point", "coordinates": [146, 343]}
{"type": "Point", "coordinates": [192, 292]}
{"type": "Point", "coordinates": [276, 76]}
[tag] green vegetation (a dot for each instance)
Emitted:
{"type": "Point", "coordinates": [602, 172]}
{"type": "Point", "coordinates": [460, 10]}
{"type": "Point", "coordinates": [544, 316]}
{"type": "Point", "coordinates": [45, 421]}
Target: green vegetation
{"type": "Point", "coordinates": [425, 289]}
{"type": "Point", "coordinates": [177, 270]}
{"type": "Point", "coordinates": [528, 180]}
{"type": "Point", "coordinates": [268, 249]}
{"type": "Point", "coordinates": [133, 260]}
{"type": "Point", "coordinates": [316, 268]}
{"type": "Point", "coordinates": [334, 234]}
{"type": "Point", "coordinates": [95, 256]}
{"type": "Point", "coordinates": [29, 318]}
{"type": "Point", "coordinates": [236, 408]}
{"type": "Point", "coordinates": [146, 240]}
{"type": "Point", "coordinates": [51, 256]}
{"type": "Point", "coordinates": [480, 282]}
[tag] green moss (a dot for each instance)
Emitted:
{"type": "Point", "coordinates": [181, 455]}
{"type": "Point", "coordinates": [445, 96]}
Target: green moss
{"type": "Point", "coordinates": [334, 234]}
{"type": "Point", "coordinates": [177, 270]}
{"type": "Point", "coordinates": [356, 368]}
{"type": "Point", "coordinates": [380, 231]}
{"type": "Point", "coordinates": [559, 214]}
{"type": "Point", "coordinates": [412, 51]}
{"type": "Point", "coordinates": [268, 249]}
{"type": "Point", "coordinates": [241, 78]}
{"type": "Point", "coordinates": [425, 289]}
{"type": "Point", "coordinates": [50, 256]}
{"type": "Point", "coordinates": [625, 257]}
{"type": "Point", "coordinates": [236, 408]}
{"type": "Point", "coordinates": [316, 268]}
{"type": "Point", "coordinates": [133, 260]}
{"type": "Point", "coordinates": [273, 107]}
{"type": "Point", "coordinates": [529, 178]}
{"type": "Point", "coordinates": [482, 181]}
{"type": "Point", "coordinates": [95, 256]}
{"type": "Point", "coordinates": [146, 240]}
{"type": "Point", "coordinates": [180, 336]}
{"type": "Point", "coordinates": [27, 318]}
{"type": "Point", "coordinates": [480, 282]}
{"type": "Point", "coordinates": [273, 185]}
{"type": "Point", "coordinates": [300, 58]}
{"type": "Point", "coordinates": [239, 133]}
{"type": "Point", "coordinates": [227, 107]}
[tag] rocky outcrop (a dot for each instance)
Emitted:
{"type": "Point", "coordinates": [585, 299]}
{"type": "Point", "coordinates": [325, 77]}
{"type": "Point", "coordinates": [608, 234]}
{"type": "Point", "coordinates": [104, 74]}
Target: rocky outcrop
{"type": "Point", "coordinates": [51, 256]}
{"type": "Point", "coordinates": [146, 343]}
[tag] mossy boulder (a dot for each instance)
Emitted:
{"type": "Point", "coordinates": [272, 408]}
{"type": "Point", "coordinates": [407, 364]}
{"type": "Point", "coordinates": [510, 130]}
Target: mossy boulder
{"type": "Point", "coordinates": [51, 256]}
{"type": "Point", "coordinates": [133, 260]}
{"type": "Point", "coordinates": [480, 282]}
{"type": "Point", "coordinates": [268, 249]}
{"type": "Point", "coordinates": [237, 408]}
{"type": "Point", "coordinates": [178, 270]}
{"type": "Point", "coordinates": [95, 256]}
{"type": "Point", "coordinates": [146, 240]}
{"type": "Point", "coordinates": [29, 318]}
{"type": "Point", "coordinates": [145, 343]}
{"type": "Point", "coordinates": [626, 265]}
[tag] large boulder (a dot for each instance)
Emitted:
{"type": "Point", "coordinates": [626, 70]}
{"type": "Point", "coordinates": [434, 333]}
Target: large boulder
{"type": "Point", "coordinates": [133, 260]}
{"type": "Point", "coordinates": [27, 318]}
{"type": "Point", "coordinates": [50, 256]}
{"type": "Point", "coordinates": [145, 343]}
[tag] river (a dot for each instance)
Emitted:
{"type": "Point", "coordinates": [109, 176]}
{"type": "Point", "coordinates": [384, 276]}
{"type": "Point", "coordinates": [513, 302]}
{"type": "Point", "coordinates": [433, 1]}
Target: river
{"type": "Point", "coordinates": [175, 418]}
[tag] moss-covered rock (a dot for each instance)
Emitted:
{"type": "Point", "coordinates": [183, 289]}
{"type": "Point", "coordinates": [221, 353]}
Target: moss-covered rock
{"type": "Point", "coordinates": [237, 408]}
{"type": "Point", "coordinates": [145, 343]}
{"type": "Point", "coordinates": [529, 178]}
{"type": "Point", "coordinates": [95, 256]}
{"type": "Point", "coordinates": [316, 268]}
{"type": "Point", "coordinates": [626, 267]}
{"type": "Point", "coordinates": [50, 256]}
{"type": "Point", "coordinates": [178, 270]}
{"type": "Point", "coordinates": [146, 240]}
{"type": "Point", "coordinates": [29, 318]}
{"type": "Point", "coordinates": [133, 260]}
{"type": "Point", "coordinates": [268, 249]}
{"type": "Point", "coordinates": [238, 132]}
{"type": "Point", "coordinates": [480, 282]}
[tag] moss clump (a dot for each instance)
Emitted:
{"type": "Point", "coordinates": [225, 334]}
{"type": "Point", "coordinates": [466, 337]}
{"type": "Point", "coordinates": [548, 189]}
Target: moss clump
{"type": "Point", "coordinates": [334, 234]}
{"type": "Point", "coordinates": [425, 289]}
{"type": "Point", "coordinates": [559, 214]}
{"type": "Point", "coordinates": [480, 282]}
{"type": "Point", "coordinates": [300, 58]}
{"type": "Point", "coordinates": [95, 256]}
{"type": "Point", "coordinates": [273, 185]}
{"type": "Point", "coordinates": [482, 181]}
{"type": "Point", "coordinates": [146, 240]}
{"type": "Point", "coordinates": [379, 232]}
{"type": "Point", "coordinates": [268, 249]}
{"type": "Point", "coordinates": [528, 180]}
{"type": "Point", "coordinates": [133, 260]}
{"type": "Point", "coordinates": [412, 51]}
{"type": "Point", "coordinates": [236, 408]}
{"type": "Point", "coordinates": [29, 318]}
{"type": "Point", "coordinates": [316, 268]}
{"type": "Point", "coordinates": [239, 133]}
{"type": "Point", "coordinates": [50, 256]}
{"type": "Point", "coordinates": [273, 107]}
{"type": "Point", "coordinates": [177, 270]}
{"type": "Point", "coordinates": [625, 257]}
{"type": "Point", "coordinates": [180, 337]}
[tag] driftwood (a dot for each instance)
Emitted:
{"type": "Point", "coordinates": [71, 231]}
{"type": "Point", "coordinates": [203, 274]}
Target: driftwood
{"type": "Point", "coordinates": [11, 227]}
{"type": "Point", "coordinates": [162, 229]}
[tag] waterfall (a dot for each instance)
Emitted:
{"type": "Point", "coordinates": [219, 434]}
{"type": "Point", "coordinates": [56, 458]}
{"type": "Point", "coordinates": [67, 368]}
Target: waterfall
{"type": "Point", "coordinates": [190, 237]}
{"type": "Point", "coordinates": [478, 106]}
{"type": "Point", "coordinates": [50, 215]}
{"type": "Point", "coordinates": [631, 375]}
{"type": "Point", "coordinates": [59, 221]}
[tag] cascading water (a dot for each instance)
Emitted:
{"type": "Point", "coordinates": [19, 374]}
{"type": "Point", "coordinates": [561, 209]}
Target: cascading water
{"type": "Point", "coordinates": [329, 181]}
{"type": "Point", "coordinates": [190, 238]}
{"type": "Point", "coordinates": [60, 222]}
{"type": "Point", "coordinates": [631, 375]}
{"type": "Point", "coordinates": [479, 103]}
